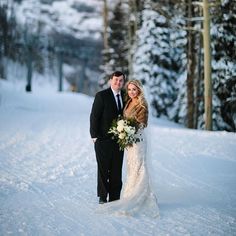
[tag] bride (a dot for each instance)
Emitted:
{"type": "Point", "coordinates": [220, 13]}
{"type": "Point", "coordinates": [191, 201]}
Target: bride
{"type": "Point", "coordinates": [137, 197]}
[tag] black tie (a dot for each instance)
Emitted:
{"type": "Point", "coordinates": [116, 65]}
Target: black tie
{"type": "Point", "coordinates": [119, 104]}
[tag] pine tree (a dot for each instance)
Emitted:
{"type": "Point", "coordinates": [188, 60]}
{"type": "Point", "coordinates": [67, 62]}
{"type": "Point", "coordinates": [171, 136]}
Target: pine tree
{"type": "Point", "coordinates": [224, 69]}
{"type": "Point", "coordinates": [8, 35]}
{"type": "Point", "coordinates": [116, 56]}
{"type": "Point", "coordinates": [153, 64]}
{"type": "Point", "coordinates": [178, 55]}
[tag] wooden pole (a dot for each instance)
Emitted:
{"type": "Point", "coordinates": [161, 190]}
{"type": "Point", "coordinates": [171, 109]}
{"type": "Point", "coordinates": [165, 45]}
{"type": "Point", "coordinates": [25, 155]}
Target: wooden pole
{"type": "Point", "coordinates": [207, 67]}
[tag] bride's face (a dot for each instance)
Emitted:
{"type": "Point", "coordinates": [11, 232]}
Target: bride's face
{"type": "Point", "coordinates": [133, 91]}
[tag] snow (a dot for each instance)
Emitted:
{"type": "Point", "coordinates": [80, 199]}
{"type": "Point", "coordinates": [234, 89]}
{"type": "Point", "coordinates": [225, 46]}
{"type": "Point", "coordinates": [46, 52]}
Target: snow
{"type": "Point", "coordinates": [61, 16]}
{"type": "Point", "coordinates": [48, 172]}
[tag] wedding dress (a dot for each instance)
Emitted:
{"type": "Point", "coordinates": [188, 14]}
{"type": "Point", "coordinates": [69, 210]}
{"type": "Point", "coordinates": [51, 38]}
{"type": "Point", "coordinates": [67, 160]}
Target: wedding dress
{"type": "Point", "coordinates": [137, 197]}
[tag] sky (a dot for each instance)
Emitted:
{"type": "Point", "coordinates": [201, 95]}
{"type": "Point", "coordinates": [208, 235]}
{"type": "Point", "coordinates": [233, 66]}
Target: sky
{"type": "Point", "coordinates": [48, 172]}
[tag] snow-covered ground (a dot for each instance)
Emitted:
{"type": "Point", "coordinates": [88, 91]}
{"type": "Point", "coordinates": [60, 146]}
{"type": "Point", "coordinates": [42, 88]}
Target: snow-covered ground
{"type": "Point", "coordinates": [48, 173]}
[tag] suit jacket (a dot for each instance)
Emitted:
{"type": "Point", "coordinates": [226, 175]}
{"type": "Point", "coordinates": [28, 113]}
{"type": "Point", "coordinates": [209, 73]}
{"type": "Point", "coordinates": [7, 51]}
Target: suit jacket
{"type": "Point", "coordinates": [104, 111]}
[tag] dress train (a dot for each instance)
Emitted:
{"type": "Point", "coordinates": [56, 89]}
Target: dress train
{"type": "Point", "coordinates": [137, 197]}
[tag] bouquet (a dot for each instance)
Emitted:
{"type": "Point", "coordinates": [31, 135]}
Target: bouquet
{"type": "Point", "coordinates": [125, 130]}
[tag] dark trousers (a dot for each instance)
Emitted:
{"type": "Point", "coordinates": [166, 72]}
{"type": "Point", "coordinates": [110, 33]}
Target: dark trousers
{"type": "Point", "coordinates": [109, 163]}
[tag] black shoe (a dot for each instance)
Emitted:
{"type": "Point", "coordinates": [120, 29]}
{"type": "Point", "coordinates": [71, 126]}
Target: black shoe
{"type": "Point", "coordinates": [102, 200]}
{"type": "Point", "coordinates": [111, 199]}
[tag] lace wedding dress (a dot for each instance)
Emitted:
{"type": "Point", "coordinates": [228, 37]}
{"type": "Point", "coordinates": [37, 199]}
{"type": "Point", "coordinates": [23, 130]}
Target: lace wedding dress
{"type": "Point", "coordinates": [137, 197]}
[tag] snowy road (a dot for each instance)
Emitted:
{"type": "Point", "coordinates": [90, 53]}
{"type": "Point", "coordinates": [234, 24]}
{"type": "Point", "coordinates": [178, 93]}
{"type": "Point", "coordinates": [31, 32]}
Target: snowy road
{"type": "Point", "coordinates": [48, 173]}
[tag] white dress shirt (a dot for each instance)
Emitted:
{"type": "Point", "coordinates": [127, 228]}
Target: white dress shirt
{"type": "Point", "coordinates": [115, 93]}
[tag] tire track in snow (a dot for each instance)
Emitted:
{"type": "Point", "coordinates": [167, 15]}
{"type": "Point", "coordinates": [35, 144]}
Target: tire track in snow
{"type": "Point", "coordinates": [13, 168]}
{"type": "Point", "coordinates": [185, 178]}
{"type": "Point", "coordinates": [43, 196]}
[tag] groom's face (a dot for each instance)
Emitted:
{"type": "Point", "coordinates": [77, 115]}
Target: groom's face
{"type": "Point", "coordinates": [117, 82]}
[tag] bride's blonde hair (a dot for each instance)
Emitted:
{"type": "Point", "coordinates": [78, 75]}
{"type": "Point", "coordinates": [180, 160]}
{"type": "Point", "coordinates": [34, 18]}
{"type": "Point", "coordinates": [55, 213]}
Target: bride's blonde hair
{"type": "Point", "coordinates": [141, 98]}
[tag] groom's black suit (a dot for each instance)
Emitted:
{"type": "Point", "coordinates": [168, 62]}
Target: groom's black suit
{"type": "Point", "coordinates": [109, 157]}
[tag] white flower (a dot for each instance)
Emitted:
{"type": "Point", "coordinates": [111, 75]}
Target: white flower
{"type": "Point", "coordinates": [131, 131]}
{"type": "Point", "coordinates": [120, 125]}
{"type": "Point", "coordinates": [127, 129]}
{"type": "Point", "coordinates": [121, 135]}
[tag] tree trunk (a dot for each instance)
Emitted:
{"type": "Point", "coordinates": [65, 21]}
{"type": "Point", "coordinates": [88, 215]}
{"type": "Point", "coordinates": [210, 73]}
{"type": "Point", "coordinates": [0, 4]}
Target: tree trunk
{"type": "Point", "coordinates": [198, 82]}
{"type": "Point", "coordinates": [105, 24]}
{"type": "Point", "coordinates": [60, 72]}
{"type": "Point", "coordinates": [132, 33]}
{"type": "Point", "coordinates": [199, 76]}
{"type": "Point", "coordinates": [28, 87]}
{"type": "Point", "coordinates": [2, 67]}
{"type": "Point", "coordinates": [190, 70]}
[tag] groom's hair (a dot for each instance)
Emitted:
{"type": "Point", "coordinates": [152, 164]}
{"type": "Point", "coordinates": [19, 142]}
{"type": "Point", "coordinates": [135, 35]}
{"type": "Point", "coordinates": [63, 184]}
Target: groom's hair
{"type": "Point", "coordinates": [117, 74]}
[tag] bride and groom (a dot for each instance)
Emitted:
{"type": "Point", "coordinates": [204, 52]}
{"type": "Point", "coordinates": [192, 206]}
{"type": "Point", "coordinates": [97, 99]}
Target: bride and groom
{"type": "Point", "coordinates": [137, 196]}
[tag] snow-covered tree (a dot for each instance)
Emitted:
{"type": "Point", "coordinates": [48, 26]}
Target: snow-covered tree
{"type": "Point", "coordinates": [178, 44]}
{"type": "Point", "coordinates": [8, 35]}
{"type": "Point", "coordinates": [224, 67]}
{"type": "Point", "coordinates": [116, 54]}
{"type": "Point", "coordinates": [157, 59]}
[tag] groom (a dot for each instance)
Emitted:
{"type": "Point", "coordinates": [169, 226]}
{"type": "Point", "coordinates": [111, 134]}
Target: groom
{"type": "Point", "coordinates": [107, 105]}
